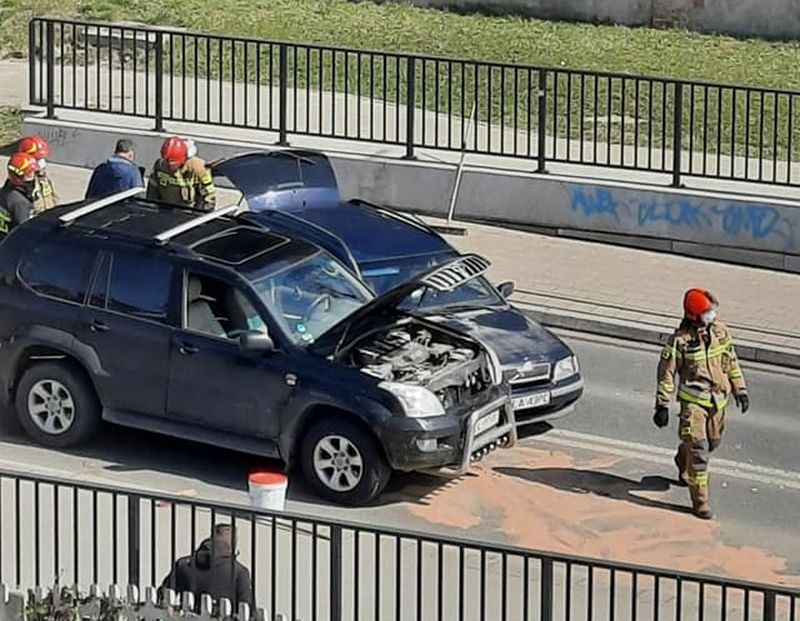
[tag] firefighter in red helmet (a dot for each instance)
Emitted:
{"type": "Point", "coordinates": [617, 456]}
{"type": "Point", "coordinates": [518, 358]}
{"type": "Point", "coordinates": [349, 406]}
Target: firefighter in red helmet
{"type": "Point", "coordinates": [181, 178]}
{"type": "Point", "coordinates": [17, 194]}
{"type": "Point", "coordinates": [44, 193]}
{"type": "Point", "coordinates": [701, 353]}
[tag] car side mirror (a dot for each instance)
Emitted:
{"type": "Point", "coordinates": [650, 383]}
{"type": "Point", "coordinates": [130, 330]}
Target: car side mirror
{"type": "Point", "coordinates": [506, 288]}
{"type": "Point", "coordinates": [255, 341]}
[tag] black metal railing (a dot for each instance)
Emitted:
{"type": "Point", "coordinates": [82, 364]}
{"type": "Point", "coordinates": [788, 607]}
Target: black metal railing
{"type": "Point", "coordinates": [674, 127]}
{"type": "Point", "coordinates": [58, 531]}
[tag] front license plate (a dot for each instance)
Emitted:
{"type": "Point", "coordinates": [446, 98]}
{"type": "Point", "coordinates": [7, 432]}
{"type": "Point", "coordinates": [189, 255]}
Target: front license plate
{"type": "Point", "coordinates": [531, 401]}
{"type": "Point", "coordinates": [487, 422]}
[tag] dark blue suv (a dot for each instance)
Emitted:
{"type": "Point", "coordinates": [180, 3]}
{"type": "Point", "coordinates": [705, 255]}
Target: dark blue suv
{"type": "Point", "coordinates": [206, 327]}
{"type": "Point", "coordinates": [296, 191]}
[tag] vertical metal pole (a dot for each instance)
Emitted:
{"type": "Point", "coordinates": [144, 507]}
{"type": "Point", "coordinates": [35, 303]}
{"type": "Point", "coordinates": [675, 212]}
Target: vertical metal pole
{"type": "Point", "coordinates": [542, 129]}
{"type": "Point", "coordinates": [336, 573]}
{"type": "Point", "coordinates": [769, 606]}
{"type": "Point", "coordinates": [547, 589]}
{"type": "Point", "coordinates": [159, 90]}
{"type": "Point", "coordinates": [134, 531]}
{"type": "Point", "coordinates": [51, 71]}
{"type": "Point", "coordinates": [411, 96]}
{"type": "Point", "coordinates": [283, 86]}
{"type": "Point", "coordinates": [677, 129]}
{"type": "Point", "coordinates": [32, 55]}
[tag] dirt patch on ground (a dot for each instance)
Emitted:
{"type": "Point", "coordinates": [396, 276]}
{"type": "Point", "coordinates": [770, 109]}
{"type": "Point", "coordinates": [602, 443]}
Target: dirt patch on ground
{"type": "Point", "coordinates": [547, 501]}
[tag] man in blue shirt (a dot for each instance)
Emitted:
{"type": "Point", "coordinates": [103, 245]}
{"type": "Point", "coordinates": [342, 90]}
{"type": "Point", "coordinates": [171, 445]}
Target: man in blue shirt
{"type": "Point", "coordinates": [117, 174]}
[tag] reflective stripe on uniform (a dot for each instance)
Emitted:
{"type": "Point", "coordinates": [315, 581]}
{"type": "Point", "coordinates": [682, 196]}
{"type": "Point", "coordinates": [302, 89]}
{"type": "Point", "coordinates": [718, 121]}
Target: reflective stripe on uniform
{"type": "Point", "coordinates": [703, 399]}
{"type": "Point", "coordinates": [177, 179]}
{"type": "Point", "coordinates": [714, 352]}
{"type": "Point", "coordinates": [735, 374]}
{"type": "Point", "coordinates": [699, 480]}
{"type": "Point", "coordinates": [207, 184]}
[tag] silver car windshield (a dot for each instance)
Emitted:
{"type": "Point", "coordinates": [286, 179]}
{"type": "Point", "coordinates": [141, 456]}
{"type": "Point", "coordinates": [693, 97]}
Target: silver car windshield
{"type": "Point", "coordinates": [309, 296]}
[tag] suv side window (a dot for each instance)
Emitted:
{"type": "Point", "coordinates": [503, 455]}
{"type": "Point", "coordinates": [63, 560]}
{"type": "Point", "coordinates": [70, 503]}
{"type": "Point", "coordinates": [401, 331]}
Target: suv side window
{"type": "Point", "coordinates": [59, 269]}
{"type": "Point", "coordinates": [135, 284]}
{"type": "Point", "coordinates": [216, 308]}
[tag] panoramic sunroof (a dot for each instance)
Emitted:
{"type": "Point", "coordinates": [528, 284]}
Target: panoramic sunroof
{"type": "Point", "coordinates": [239, 245]}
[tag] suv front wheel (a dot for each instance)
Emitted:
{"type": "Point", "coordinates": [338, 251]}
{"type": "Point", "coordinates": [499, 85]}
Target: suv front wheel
{"type": "Point", "coordinates": [56, 405]}
{"type": "Point", "coordinates": [343, 462]}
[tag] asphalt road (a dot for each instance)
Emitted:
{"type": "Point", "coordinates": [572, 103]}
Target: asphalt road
{"type": "Point", "coordinates": [597, 484]}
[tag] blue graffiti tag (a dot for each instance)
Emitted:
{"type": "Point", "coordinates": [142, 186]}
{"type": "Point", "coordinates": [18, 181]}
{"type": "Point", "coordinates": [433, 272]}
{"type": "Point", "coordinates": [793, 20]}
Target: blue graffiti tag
{"type": "Point", "coordinates": [676, 212]}
{"type": "Point", "coordinates": [736, 221]}
{"type": "Point", "coordinates": [757, 220]}
{"type": "Point", "coordinates": [598, 203]}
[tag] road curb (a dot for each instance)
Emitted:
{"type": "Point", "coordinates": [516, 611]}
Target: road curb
{"type": "Point", "coordinates": [643, 332]}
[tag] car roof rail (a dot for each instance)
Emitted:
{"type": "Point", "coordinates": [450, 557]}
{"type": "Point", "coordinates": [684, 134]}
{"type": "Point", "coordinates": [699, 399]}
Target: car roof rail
{"type": "Point", "coordinates": [71, 216]}
{"type": "Point", "coordinates": [329, 234]}
{"type": "Point", "coordinates": [164, 237]}
{"type": "Point", "coordinates": [456, 272]}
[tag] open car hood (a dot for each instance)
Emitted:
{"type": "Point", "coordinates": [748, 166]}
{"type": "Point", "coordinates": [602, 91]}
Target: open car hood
{"type": "Point", "coordinates": [444, 277]}
{"type": "Point", "coordinates": [280, 179]}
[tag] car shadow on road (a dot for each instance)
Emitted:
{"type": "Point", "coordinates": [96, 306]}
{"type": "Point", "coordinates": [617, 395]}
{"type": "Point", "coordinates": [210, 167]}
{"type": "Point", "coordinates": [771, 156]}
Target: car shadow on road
{"type": "Point", "coordinates": [599, 483]}
{"type": "Point", "coordinates": [130, 451]}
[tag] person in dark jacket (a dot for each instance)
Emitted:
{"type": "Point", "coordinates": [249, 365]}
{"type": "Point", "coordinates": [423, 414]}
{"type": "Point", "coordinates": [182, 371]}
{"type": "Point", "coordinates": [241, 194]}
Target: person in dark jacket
{"type": "Point", "coordinates": [117, 174]}
{"type": "Point", "coordinates": [17, 195]}
{"type": "Point", "coordinates": [212, 570]}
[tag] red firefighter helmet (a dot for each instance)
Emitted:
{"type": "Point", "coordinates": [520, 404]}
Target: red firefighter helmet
{"type": "Point", "coordinates": [21, 167]}
{"type": "Point", "coordinates": [175, 152]}
{"type": "Point", "coordinates": [696, 302]}
{"type": "Point", "coordinates": [35, 146]}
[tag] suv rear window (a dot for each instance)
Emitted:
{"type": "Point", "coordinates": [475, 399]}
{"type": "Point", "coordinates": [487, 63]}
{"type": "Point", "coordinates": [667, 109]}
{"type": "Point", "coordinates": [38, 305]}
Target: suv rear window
{"type": "Point", "coordinates": [58, 269]}
{"type": "Point", "coordinates": [139, 286]}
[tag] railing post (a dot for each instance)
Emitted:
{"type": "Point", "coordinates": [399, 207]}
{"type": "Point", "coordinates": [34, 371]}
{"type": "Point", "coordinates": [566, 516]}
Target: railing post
{"type": "Point", "coordinates": [547, 589]}
{"type": "Point", "coordinates": [283, 86]}
{"type": "Point", "coordinates": [134, 532]}
{"type": "Point", "coordinates": [159, 81]}
{"type": "Point", "coordinates": [769, 606]}
{"type": "Point", "coordinates": [677, 135]}
{"type": "Point", "coordinates": [411, 103]}
{"type": "Point", "coordinates": [51, 70]}
{"type": "Point", "coordinates": [336, 574]}
{"type": "Point", "coordinates": [32, 55]}
{"type": "Point", "coordinates": [542, 129]}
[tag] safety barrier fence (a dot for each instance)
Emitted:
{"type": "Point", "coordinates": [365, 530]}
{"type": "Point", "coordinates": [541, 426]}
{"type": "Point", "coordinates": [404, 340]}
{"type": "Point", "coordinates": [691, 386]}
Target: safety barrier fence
{"type": "Point", "coordinates": [62, 532]}
{"type": "Point", "coordinates": [673, 127]}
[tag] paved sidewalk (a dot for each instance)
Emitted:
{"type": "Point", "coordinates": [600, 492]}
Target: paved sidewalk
{"type": "Point", "coordinates": [611, 290]}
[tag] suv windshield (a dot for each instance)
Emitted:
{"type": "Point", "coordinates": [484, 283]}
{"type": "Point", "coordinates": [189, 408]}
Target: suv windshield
{"type": "Point", "coordinates": [310, 295]}
{"type": "Point", "coordinates": [385, 274]}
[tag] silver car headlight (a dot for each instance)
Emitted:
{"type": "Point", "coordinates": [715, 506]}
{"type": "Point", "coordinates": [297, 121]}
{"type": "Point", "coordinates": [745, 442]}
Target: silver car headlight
{"type": "Point", "coordinates": [566, 367]}
{"type": "Point", "coordinates": [418, 402]}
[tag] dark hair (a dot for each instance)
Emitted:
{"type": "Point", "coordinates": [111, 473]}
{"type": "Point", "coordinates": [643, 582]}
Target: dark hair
{"type": "Point", "coordinates": [124, 145]}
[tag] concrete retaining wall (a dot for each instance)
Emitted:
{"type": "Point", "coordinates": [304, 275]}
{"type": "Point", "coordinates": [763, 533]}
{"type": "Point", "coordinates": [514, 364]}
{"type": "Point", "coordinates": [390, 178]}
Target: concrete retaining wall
{"type": "Point", "coordinates": [726, 227]}
{"type": "Point", "coordinates": [776, 19]}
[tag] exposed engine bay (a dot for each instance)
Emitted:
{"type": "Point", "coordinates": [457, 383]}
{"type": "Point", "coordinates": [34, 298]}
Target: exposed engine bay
{"type": "Point", "coordinates": [452, 368]}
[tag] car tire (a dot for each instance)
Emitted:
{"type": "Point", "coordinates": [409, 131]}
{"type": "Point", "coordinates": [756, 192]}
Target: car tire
{"type": "Point", "coordinates": [56, 405]}
{"type": "Point", "coordinates": [343, 462]}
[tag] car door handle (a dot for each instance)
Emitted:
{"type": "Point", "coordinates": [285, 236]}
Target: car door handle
{"type": "Point", "coordinates": [98, 326]}
{"type": "Point", "coordinates": [187, 350]}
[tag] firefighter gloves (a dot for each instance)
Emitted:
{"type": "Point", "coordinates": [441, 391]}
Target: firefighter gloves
{"type": "Point", "coordinates": [661, 416]}
{"type": "Point", "coordinates": [743, 401]}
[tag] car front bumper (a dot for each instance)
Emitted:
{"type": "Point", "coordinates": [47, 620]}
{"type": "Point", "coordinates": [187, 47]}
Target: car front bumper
{"type": "Point", "coordinates": [535, 405]}
{"type": "Point", "coordinates": [448, 445]}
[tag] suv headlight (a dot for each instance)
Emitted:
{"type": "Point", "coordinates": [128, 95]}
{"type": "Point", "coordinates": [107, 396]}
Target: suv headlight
{"type": "Point", "coordinates": [566, 367]}
{"type": "Point", "coordinates": [418, 402]}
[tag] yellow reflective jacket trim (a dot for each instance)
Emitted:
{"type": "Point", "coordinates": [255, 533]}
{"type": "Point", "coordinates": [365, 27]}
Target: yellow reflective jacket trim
{"type": "Point", "coordinates": [735, 374]}
{"type": "Point", "coordinates": [706, 402]}
{"type": "Point", "coordinates": [699, 480]}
